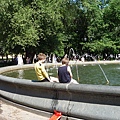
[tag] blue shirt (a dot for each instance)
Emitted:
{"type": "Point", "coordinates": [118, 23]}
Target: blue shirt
{"type": "Point", "coordinates": [63, 75]}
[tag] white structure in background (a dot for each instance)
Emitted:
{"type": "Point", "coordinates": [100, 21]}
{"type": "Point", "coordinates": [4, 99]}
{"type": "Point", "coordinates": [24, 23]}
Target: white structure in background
{"type": "Point", "coordinates": [65, 56]}
{"type": "Point", "coordinates": [83, 59]}
{"type": "Point", "coordinates": [54, 59]}
{"type": "Point", "coordinates": [35, 57]}
{"type": "Point", "coordinates": [20, 60]}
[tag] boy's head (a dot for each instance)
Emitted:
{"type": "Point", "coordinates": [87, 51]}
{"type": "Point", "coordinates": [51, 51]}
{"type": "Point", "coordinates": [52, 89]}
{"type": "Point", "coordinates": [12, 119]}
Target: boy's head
{"type": "Point", "coordinates": [65, 61]}
{"type": "Point", "coordinates": [41, 56]}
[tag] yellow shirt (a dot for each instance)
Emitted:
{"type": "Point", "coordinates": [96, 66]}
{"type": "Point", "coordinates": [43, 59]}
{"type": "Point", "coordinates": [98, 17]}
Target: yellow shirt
{"type": "Point", "coordinates": [40, 71]}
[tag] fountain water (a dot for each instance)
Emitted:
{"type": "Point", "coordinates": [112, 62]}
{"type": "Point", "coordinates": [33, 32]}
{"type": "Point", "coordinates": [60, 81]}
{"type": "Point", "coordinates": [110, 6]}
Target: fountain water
{"type": "Point", "coordinates": [98, 65]}
{"type": "Point", "coordinates": [74, 56]}
{"type": "Point", "coordinates": [20, 74]}
{"type": "Point", "coordinates": [51, 59]}
{"type": "Point", "coordinates": [86, 55]}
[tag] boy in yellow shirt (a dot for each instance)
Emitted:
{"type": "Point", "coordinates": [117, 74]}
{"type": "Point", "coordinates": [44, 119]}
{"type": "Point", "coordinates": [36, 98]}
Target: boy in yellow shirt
{"type": "Point", "coordinates": [41, 73]}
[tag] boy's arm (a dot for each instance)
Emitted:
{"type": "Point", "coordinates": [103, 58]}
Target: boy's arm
{"type": "Point", "coordinates": [69, 70]}
{"type": "Point", "coordinates": [45, 73]}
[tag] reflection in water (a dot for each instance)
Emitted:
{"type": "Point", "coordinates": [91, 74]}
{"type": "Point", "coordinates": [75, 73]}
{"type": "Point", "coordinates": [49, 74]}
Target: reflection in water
{"type": "Point", "coordinates": [20, 74]}
{"type": "Point", "coordinates": [72, 52]}
{"type": "Point", "coordinates": [88, 74]}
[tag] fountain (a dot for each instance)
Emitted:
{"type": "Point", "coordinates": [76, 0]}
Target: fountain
{"type": "Point", "coordinates": [81, 101]}
{"type": "Point", "coordinates": [74, 58]}
{"type": "Point", "coordinates": [73, 53]}
{"type": "Point", "coordinates": [95, 101]}
{"type": "Point", "coordinates": [86, 55]}
{"type": "Point", "coordinates": [98, 65]}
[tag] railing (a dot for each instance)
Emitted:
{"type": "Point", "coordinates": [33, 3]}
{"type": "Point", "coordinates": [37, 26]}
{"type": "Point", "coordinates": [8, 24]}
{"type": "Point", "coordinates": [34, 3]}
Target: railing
{"type": "Point", "coordinates": [80, 101]}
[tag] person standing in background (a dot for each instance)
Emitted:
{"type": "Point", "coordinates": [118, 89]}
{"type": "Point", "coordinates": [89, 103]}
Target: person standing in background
{"type": "Point", "coordinates": [15, 60]}
{"type": "Point", "coordinates": [28, 60]}
{"type": "Point", "coordinates": [20, 59]}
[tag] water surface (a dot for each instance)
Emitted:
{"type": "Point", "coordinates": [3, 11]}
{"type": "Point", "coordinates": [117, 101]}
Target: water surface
{"type": "Point", "coordinates": [84, 74]}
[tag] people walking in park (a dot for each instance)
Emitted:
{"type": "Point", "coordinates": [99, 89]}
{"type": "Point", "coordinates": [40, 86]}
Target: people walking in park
{"type": "Point", "coordinates": [65, 73]}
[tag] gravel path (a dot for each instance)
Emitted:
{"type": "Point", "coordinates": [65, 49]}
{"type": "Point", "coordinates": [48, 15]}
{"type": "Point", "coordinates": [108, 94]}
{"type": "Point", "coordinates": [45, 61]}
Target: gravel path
{"type": "Point", "coordinates": [8, 112]}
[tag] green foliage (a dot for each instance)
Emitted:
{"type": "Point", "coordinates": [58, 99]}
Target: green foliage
{"type": "Point", "coordinates": [103, 28]}
{"type": "Point", "coordinates": [112, 21]}
{"type": "Point", "coordinates": [33, 26]}
{"type": "Point", "coordinates": [24, 31]}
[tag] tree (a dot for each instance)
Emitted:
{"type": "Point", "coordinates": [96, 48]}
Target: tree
{"type": "Point", "coordinates": [31, 26]}
{"type": "Point", "coordinates": [102, 32]}
{"type": "Point", "coordinates": [112, 21]}
{"type": "Point", "coordinates": [48, 18]}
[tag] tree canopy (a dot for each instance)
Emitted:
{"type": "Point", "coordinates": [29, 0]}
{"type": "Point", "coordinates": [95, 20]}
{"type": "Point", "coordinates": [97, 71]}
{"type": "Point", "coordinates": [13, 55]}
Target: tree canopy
{"type": "Point", "coordinates": [32, 26]}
